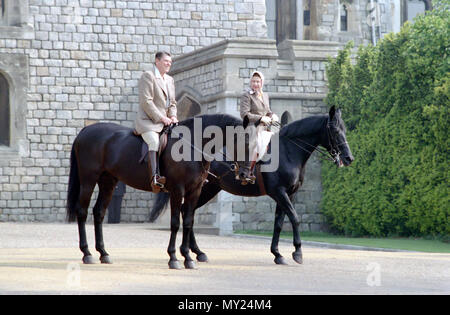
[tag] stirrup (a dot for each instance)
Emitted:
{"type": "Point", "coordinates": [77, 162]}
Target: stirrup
{"type": "Point", "coordinates": [158, 181]}
{"type": "Point", "coordinates": [251, 179]}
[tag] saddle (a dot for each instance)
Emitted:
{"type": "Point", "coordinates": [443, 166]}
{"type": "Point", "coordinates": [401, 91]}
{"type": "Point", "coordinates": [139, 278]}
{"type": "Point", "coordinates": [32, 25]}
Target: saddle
{"type": "Point", "coordinates": [163, 137]}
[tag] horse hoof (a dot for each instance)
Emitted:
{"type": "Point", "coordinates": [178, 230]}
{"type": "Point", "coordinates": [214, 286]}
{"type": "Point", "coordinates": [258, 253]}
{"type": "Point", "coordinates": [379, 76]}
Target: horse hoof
{"type": "Point", "coordinates": [105, 260]}
{"type": "Point", "coordinates": [202, 257]}
{"type": "Point", "coordinates": [174, 264]}
{"type": "Point", "coordinates": [297, 257]}
{"type": "Point", "coordinates": [189, 264]}
{"type": "Point", "coordinates": [88, 260]}
{"type": "Point", "coordinates": [280, 260]}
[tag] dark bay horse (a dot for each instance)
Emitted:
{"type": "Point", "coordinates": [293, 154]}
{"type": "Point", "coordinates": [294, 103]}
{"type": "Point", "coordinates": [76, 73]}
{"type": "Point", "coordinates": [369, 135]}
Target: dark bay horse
{"type": "Point", "coordinates": [104, 153]}
{"type": "Point", "coordinates": [297, 141]}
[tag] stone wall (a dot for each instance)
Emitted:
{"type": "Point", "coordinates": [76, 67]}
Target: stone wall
{"type": "Point", "coordinates": [82, 60]}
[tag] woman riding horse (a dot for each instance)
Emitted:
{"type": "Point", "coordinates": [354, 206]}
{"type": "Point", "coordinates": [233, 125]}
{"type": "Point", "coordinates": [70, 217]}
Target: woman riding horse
{"type": "Point", "coordinates": [255, 106]}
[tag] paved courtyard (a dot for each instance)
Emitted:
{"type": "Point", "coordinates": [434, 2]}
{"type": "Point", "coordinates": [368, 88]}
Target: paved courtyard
{"type": "Point", "coordinates": [43, 258]}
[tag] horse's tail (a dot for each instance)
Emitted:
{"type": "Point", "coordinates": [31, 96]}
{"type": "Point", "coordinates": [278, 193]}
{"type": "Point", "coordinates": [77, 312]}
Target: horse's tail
{"type": "Point", "coordinates": [161, 200]}
{"type": "Point", "coordinates": [73, 192]}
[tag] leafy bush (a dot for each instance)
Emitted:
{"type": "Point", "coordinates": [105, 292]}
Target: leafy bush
{"type": "Point", "coordinates": [395, 101]}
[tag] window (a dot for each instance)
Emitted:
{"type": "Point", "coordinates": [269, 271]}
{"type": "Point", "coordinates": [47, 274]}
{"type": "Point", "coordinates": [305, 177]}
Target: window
{"type": "Point", "coordinates": [344, 18]}
{"type": "Point", "coordinates": [14, 81]}
{"type": "Point", "coordinates": [4, 112]}
{"type": "Point", "coordinates": [2, 12]}
{"type": "Point", "coordinates": [14, 19]}
{"type": "Point", "coordinates": [271, 18]}
{"type": "Point", "coordinates": [306, 17]}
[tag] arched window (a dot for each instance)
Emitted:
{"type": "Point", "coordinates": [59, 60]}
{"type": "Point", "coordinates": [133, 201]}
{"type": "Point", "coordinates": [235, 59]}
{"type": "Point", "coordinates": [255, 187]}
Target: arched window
{"type": "Point", "coordinates": [344, 18]}
{"type": "Point", "coordinates": [4, 112]}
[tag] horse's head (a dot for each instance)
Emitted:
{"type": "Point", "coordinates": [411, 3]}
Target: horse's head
{"type": "Point", "coordinates": [336, 141]}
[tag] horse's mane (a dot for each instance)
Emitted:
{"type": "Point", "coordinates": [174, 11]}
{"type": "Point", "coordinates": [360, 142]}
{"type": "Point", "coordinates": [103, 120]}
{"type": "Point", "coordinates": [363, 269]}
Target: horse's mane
{"type": "Point", "coordinates": [308, 125]}
{"type": "Point", "coordinates": [220, 120]}
{"type": "Point", "coordinates": [303, 126]}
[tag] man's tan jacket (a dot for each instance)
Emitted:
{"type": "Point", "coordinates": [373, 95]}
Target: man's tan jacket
{"type": "Point", "coordinates": [153, 102]}
{"type": "Point", "coordinates": [253, 107]}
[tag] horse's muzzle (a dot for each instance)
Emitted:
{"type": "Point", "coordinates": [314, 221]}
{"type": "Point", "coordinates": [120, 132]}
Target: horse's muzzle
{"type": "Point", "coordinates": [345, 160]}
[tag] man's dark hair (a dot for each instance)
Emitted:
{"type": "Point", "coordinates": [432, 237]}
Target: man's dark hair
{"type": "Point", "coordinates": [161, 54]}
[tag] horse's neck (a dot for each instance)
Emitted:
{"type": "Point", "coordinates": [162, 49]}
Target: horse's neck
{"type": "Point", "coordinates": [299, 149]}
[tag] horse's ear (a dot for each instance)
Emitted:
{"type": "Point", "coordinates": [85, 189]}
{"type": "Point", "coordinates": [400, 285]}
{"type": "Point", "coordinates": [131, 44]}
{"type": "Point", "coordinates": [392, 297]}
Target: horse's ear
{"type": "Point", "coordinates": [332, 112]}
{"type": "Point", "coordinates": [246, 121]}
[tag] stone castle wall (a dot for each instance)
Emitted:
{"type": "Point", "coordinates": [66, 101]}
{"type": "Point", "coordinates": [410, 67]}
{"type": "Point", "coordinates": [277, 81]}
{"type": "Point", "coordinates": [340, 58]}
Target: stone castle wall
{"type": "Point", "coordinates": [84, 59]}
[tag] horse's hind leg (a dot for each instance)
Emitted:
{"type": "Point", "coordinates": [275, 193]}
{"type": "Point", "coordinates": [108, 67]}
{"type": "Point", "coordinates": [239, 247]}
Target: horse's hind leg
{"type": "Point", "coordinates": [86, 190]}
{"type": "Point", "coordinates": [106, 184]}
{"type": "Point", "coordinates": [175, 205]}
{"type": "Point", "coordinates": [209, 191]}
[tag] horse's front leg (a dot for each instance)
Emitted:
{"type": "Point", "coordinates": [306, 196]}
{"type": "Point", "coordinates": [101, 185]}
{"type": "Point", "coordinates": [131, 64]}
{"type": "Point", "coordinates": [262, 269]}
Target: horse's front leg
{"type": "Point", "coordinates": [175, 204]}
{"type": "Point", "coordinates": [278, 225]}
{"type": "Point", "coordinates": [284, 201]}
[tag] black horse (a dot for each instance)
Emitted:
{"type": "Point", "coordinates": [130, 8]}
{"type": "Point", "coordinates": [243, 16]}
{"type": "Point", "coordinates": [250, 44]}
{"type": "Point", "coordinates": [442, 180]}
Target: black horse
{"type": "Point", "coordinates": [104, 153]}
{"type": "Point", "coordinates": [297, 141]}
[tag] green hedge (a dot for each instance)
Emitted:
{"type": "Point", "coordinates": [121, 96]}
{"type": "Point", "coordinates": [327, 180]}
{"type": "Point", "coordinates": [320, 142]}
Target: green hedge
{"type": "Point", "coordinates": [395, 102]}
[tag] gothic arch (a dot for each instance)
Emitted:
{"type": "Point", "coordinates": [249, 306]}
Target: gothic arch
{"type": "Point", "coordinates": [188, 104]}
{"type": "Point", "coordinates": [14, 72]}
{"type": "Point", "coordinates": [286, 118]}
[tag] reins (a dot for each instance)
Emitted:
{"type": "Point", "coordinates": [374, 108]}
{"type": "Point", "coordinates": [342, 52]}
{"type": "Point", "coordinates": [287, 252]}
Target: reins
{"type": "Point", "coordinates": [234, 167]}
{"type": "Point", "coordinates": [332, 156]}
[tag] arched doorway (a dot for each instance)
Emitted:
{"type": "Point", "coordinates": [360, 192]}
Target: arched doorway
{"type": "Point", "coordinates": [286, 118]}
{"type": "Point", "coordinates": [187, 107]}
{"type": "Point", "coordinates": [5, 132]}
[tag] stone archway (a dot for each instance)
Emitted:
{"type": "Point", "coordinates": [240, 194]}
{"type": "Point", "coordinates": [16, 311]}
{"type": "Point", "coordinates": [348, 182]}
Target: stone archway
{"type": "Point", "coordinates": [187, 107]}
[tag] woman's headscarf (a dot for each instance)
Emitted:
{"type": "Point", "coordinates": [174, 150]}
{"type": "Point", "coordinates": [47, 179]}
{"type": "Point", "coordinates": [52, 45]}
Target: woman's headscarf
{"type": "Point", "coordinates": [262, 79]}
{"type": "Point", "coordinates": [258, 74]}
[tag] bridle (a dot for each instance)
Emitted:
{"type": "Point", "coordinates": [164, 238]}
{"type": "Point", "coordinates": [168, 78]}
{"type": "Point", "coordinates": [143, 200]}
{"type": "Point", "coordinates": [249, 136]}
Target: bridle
{"type": "Point", "coordinates": [332, 155]}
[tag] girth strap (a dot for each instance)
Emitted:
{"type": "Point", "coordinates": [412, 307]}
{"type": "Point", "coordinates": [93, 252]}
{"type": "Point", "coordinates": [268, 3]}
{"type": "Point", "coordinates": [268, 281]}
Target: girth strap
{"type": "Point", "coordinates": [260, 179]}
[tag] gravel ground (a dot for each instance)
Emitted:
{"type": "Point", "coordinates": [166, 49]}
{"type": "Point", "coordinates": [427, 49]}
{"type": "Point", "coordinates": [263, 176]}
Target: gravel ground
{"type": "Point", "coordinates": [43, 258]}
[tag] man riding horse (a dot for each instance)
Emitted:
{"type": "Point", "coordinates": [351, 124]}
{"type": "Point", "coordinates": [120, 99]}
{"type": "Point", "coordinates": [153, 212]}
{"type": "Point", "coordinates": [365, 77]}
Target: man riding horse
{"type": "Point", "coordinates": [157, 108]}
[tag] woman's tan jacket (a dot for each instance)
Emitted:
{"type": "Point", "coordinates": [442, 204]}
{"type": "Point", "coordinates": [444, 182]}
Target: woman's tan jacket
{"type": "Point", "coordinates": [253, 107]}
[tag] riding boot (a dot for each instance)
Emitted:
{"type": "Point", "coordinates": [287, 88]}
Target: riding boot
{"type": "Point", "coordinates": [157, 181]}
{"type": "Point", "coordinates": [251, 176]}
